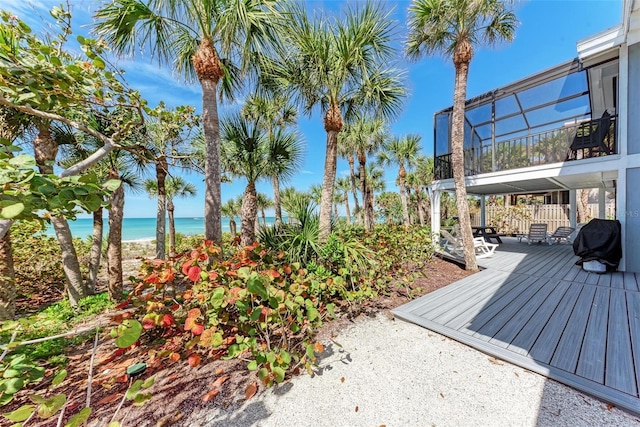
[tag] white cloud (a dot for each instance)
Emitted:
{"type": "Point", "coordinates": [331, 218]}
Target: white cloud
{"type": "Point", "coordinates": [306, 172]}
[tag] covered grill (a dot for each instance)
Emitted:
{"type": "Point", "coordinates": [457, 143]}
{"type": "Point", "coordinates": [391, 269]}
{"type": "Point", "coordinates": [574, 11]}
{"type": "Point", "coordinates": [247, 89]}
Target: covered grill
{"type": "Point", "coordinates": [599, 240]}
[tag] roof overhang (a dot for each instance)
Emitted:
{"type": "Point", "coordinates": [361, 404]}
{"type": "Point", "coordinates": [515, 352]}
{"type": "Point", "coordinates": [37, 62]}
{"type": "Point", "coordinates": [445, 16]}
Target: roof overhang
{"type": "Point", "coordinates": [588, 173]}
{"type": "Point", "coordinates": [601, 44]}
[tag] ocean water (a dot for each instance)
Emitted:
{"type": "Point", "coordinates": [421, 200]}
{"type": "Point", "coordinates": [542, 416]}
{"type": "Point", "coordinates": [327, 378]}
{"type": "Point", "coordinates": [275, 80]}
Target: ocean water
{"type": "Point", "coordinates": [145, 228]}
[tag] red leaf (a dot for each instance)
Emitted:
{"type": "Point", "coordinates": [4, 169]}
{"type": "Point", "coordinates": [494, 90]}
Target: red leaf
{"type": "Point", "coordinates": [174, 357]}
{"type": "Point", "coordinates": [167, 320]}
{"type": "Point", "coordinates": [210, 395]}
{"type": "Point", "coordinates": [274, 274]}
{"type": "Point", "coordinates": [148, 323]}
{"type": "Point", "coordinates": [194, 312]}
{"type": "Point", "coordinates": [197, 329]}
{"type": "Point", "coordinates": [251, 390]}
{"type": "Point", "coordinates": [122, 305]}
{"type": "Point", "coordinates": [194, 360]}
{"type": "Point", "coordinates": [213, 275]}
{"type": "Point", "coordinates": [194, 273]}
{"type": "Point", "coordinates": [186, 265]}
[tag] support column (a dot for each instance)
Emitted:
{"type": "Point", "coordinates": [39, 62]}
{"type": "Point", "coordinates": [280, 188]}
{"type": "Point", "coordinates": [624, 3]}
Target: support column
{"type": "Point", "coordinates": [573, 208]}
{"type": "Point", "coordinates": [483, 211]}
{"type": "Point", "coordinates": [435, 210]}
{"type": "Point", "coordinates": [602, 207]}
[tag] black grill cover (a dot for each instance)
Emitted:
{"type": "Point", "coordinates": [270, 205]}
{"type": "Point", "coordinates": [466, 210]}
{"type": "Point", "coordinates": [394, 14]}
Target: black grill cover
{"type": "Point", "coordinates": [600, 239]}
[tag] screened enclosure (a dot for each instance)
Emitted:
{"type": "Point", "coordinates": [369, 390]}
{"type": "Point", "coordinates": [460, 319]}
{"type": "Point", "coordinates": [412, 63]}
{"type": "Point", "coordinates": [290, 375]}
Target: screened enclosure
{"type": "Point", "coordinates": [561, 114]}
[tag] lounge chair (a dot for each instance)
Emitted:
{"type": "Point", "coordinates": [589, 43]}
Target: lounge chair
{"type": "Point", "coordinates": [560, 235]}
{"type": "Point", "coordinates": [537, 233]}
{"type": "Point", "coordinates": [455, 246]}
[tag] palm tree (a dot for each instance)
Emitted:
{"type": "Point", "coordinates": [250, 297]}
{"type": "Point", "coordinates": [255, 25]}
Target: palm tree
{"type": "Point", "coordinates": [175, 187]}
{"type": "Point", "coordinates": [264, 202]}
{"type": "Point", "coordinates": [401, 151]}
{"type": "Point", "coordinates": [419, 180]}
{"type": "Point", "coordinates": [292, 199]}
{"type": "Point", "coordinates": [348, 149]}
{"type": "Point", "coordinates": [248, 153]}
{"type": "Point", "coordinates": [274, 112]}
{"type": "Point", "coordinates": [197, 38]}
{"type": "Point", "coordinates": [343, 185]}
{"type": "Point", "coordinates": [453, 27]}
{"type": "Point", "coordinates": [340, 67]}
{"type": "Point", "coordinates": [231, 209]}
{"type": "Point", "coordinates": [367, 135]}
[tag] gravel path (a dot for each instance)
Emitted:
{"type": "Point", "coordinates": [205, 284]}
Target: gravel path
{"type": "Point", "coordinates": [393, 373]}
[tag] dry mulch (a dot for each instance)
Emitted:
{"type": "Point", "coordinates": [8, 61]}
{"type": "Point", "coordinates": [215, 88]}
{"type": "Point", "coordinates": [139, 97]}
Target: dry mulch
{"type": "Point", "coordinates": [180, 389]}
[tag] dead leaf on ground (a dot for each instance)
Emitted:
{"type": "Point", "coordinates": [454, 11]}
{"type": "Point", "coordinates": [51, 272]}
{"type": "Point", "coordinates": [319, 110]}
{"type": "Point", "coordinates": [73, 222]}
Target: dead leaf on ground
{"type": "Point", "coordinates": [496, 361]}
{"type": "Point", "coordinates": [210, 395]}
{"type": "Point", "coordinates": [442, 395]}
{"type": "Point", "coordinates": [356, 409]}
{"type": "Point", "coordinates": [218, 371]}
{"type": "Point", "coordinates": [110, 398]}
{"type": "Point", "coordinates": [251, 390]}
{"type": "Point", "coordinates": [220, 381]}
{"type": "Point", "coordinates": [342, 379]}
{"type": "Point", "coordinates": [170, 420]}
{"type": "Point", "coordinates": [516, 374]}
{"type": "Point", "coordinates": [610, 406]}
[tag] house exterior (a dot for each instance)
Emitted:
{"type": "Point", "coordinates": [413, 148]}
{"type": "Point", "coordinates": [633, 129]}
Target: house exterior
{"type": "Point", "coordinates": [574, 126]}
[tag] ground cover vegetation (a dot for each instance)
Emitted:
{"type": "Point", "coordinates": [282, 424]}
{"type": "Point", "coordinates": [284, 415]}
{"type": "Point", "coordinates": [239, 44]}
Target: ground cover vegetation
{"type": "Point", "coordinates": [75, 137]}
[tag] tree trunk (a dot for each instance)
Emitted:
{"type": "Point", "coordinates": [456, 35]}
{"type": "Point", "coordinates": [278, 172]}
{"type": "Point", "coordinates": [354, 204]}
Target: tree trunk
{"type": "Point", "coordinates": [457, 160]}
{"type": "Point", "coordinates": [583, 205]}
{"type": "Point", "coordinates": [264, 218]}
{"type": "Point", "coordinates": [7, 280]}
{"type": "Point", "coordinates": [370, 214]}
{"type": "Point", "coordinates": [346, 204]}
{"type": "Point", "coordinates": [45, 151]}
{"type": "Point", "coordinates": [161, 176]}
{"type": "Point", "coordinates": [232, 227]}
{"type": "Point", "coordinates": [96, 251]}
{"type": "Point", "coordinates": [403, 197]}
{"type": "Point", "coordinates": [352, 179]}
{"type": "Point", "coordinates": [328, 182]}
{"type": "Point", "coordinates": [276, 199]}
{"type": "Point", "coordinates": [212, 197]}
{"type": "Point", "coordinates": [172, 227]}
{"type": "Point", "coordinates": [420, 206]}
{"type": "Point", "coordinates": [114, 250]}
{"type": "Point", "coordinates": [362, 164]}
{"type": "Point", "coordinates": [248, 215]}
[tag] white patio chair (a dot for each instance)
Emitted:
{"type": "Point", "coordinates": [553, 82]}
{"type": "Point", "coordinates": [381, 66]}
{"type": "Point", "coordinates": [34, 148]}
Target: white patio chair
{"type": "Point", "coordinates": [537, 233]}
{"type": "Point", "coordinates": [455, 246]}
{"type": "Point", "coordinates": [560, 235]}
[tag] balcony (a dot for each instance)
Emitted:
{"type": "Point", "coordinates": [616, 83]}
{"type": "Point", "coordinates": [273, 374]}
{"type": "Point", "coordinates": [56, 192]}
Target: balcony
{"type": "Point", "coordinates": [588, 139]}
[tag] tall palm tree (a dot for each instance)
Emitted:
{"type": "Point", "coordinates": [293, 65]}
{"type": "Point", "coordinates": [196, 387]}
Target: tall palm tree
{"type": "Point", "coordinates": [291, 199]}
{"type": "Point", "coordinates": [274, 112]}
{"type": "Point", "coordinates": [343, 186]}
{"type": "Point", "coordinates": [339, 66]}
{"type": "Point", "coordinates": [453, 27]}
{"type": "Point", "coordinates": [197, 37]}
{"type": "Point", "coordinates": [347, 149]}
{"type": "Point", "coordinates": [401, 152]}
{"type": "Point", "coordinates": [231, 209]}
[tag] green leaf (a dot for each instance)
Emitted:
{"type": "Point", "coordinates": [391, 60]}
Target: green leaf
{"type": "Point", "coordinates": [12, 385]}
{"type": "Point", "coordinates": [136, 369]}
{"type": "Point", "coordinates": [253, 365]}
{"type": "Point", "coordinates": [128, 333]}
{"type": "Point", "coordinates": [5, 398]}
{"type": "Point", "coordinates": [312, 313]}
{"type": "Point", "coordinates": [112, 185]}
{"type": "Point", "coordinates": [134, 389]}
{"type": "Point", "coordinates": [114, 424]}
{"type": "Point", "coordinates": [255, 286]}
{"type": "Point", "coordinates": [141, 399]}
{"type": "Point", "coordinates": [148, 383]}
{"type": "Point", "coordinates": [99, 63]}
{"type": "Point", "coordinates": [78, 419]}
{"type": "Point", "coordinates": [60, 376]}
{"type": "Point", "coordinates": [23, 161]}
{"type": "Point", "coordinates": [20, 414]}
{"type": "Point", "coordinates": [51, 406]}
{"type": "Point", "coordinates": [279, 374]}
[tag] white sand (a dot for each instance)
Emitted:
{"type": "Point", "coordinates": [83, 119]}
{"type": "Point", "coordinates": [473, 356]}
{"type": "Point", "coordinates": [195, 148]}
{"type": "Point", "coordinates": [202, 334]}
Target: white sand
{"type": "Point", "coordinates": [393, 373]}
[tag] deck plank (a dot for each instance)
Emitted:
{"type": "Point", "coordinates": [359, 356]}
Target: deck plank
{"type": "Point", "coordinates": [630, 282]}
{"type": "Point", "coordinates": [568, 350]}
{"type": "Point", "coordinates": [593, 352]}
{"type": "Point", "coordinates": [619, 362]}
{"type": "Point", "coordinates": [633, 305]}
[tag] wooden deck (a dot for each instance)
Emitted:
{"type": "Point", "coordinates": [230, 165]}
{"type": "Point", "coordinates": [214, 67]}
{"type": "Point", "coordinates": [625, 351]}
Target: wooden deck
{"type": "Point", "coordinates": [532, 306]}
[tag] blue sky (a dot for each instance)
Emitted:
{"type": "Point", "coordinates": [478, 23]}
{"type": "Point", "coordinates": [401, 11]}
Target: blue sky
{"type": "Point", "coordinates": [547, 36]}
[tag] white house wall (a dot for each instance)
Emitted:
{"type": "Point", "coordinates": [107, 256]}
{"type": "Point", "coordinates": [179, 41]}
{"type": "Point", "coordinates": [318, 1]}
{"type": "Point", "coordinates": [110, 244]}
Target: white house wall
{"type": "Point", "coordinates": [630, 217]}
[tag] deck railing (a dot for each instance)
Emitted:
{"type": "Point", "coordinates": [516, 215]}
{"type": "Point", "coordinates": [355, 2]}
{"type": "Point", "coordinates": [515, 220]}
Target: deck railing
{"type": "Point", "coordinates": [571, 142]}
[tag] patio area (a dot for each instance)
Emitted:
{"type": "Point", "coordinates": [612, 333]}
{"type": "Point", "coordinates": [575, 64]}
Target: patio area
{"type": "Point", "coordinates": [532, 306]}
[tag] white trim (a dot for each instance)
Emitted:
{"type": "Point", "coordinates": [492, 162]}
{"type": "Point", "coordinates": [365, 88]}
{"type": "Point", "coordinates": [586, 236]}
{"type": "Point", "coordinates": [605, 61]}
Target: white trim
{"type": "Point", "coordinates": [573, 208]}
{"type": "Point", "coordinates": [623, 100]}
{"type": "Point", "coordinates": [600, 42]}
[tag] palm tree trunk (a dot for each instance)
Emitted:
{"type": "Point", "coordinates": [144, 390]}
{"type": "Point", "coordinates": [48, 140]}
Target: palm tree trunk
{"type": "Point", "coordinates": [420, 205]}
{"type": "Point", "coordinates": [362, 163]}
{"type": "Point", "coordinates": [248, 215]}
{"type": "Point", "coordinates": [335, 211]}
{"type": "Point", "coordinates": [232, 227]}
{"type": "Point", "coordinates": [352, 179]}
{"type": "Point", "coordinates": [172, 227]}
{"type": "Point", "coordinates": [346, 204]}
{"type": "Point", "coordinates": [114, 250]}
{"type": "Point", "coordinates": [328, 182]}
{"type": "Point", "coordinates": [264, 218]}
{"type": "Point", "coordinates": [161, 176]}
{"type": "Point", "coordinates": [7, 280]}
{"type": "Point", "coordinates": [45, 150]}
{"type": "Point", "coordinates": [372, 220]}
{"type": "Point", "coordinates": [582, 205]}
{"type": "Point", "coordinates": [276, 199]}
{"type": "Point", "coordinates": [212, 196]}
{"type": "Point", "coordinates": [405, 204]}
{"type": "Point", "coordinates": [457, 160]}
{"type": "Point", "coordinates": [96, 250]}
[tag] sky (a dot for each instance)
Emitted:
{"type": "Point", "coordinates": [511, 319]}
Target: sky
{"type": "Point", "coordinates": [546, 36]}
